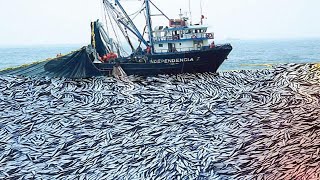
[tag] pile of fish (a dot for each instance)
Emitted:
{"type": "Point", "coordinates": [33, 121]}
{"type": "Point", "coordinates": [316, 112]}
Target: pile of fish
{"type": "Point", "coordinates": [257, 124]}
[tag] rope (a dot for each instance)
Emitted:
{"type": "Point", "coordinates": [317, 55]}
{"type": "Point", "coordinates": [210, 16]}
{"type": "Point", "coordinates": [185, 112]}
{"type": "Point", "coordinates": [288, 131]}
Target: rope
{"type": "Point", "coordinates": [105, 16]}
{"type": "Point", "coordinates": [144, 31]}
{"type": "Point", "coordinates": [140, 9]}
{"type": "Point", "coordinates": [137, 14]}
{"type": "Point", "coordinates": [114, 31]}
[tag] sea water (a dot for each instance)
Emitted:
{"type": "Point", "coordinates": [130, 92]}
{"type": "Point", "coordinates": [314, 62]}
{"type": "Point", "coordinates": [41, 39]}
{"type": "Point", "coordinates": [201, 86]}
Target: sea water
{"type": "Point", "coordinates": [246, 54]}
{"type": "Point", "coordinates": [255, 54]}
{"type": "Point", "coordinates": [18, 55]}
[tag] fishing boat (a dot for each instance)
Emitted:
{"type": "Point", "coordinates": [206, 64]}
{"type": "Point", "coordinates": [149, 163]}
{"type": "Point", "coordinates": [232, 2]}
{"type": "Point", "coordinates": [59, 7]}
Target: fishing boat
{"type": "Point", "coordinates": [177, 47]}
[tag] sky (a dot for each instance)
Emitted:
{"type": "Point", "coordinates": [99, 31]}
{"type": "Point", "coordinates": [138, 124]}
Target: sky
{"type": "Point", "coordinates": [34, 22]}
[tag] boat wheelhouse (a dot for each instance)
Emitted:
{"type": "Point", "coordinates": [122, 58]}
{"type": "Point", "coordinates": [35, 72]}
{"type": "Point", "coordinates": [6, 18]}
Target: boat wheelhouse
{"type": "Point", "coordinates": [181, 38]}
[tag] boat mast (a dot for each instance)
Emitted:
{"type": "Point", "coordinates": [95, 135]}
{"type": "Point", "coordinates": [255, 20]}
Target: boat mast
{"type": "Point", "coordinates": [149, 24]}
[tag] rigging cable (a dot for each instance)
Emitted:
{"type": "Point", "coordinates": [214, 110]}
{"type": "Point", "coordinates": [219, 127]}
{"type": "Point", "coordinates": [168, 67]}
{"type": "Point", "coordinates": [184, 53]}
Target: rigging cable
{"type": "Point", "coordinates": [119, 44]}
{"type": "Point", "coordinates": [139, 11]}
{"type": "Point", "coordinates": [159, 10]}
{"type": "Point", "coordinates": [119, 20]}
{"type": "Point", "coordinates": [105, 17]}
{"type": "Point", "coordinates": [144, 31]}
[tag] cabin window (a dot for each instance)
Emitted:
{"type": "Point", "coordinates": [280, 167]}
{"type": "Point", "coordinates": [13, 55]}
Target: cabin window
{"type": "Point", "coordinates": [160, 45]}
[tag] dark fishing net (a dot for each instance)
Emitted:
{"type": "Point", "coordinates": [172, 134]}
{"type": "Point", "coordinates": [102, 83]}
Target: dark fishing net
{"type": "Point", "coordinates": [96, 39]}
{"type": "Point", "coordinates": [77, 64]}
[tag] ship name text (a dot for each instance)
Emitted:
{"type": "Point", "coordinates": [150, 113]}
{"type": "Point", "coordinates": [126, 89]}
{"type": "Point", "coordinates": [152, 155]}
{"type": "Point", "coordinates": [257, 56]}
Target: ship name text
{"type": "Point", "coordinates": [177, 60]}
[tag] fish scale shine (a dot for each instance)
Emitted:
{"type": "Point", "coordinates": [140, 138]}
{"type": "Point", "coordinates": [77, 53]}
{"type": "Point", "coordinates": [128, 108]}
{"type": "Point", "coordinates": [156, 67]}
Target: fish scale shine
{"type": "Point", "coordinates": [189, 126]}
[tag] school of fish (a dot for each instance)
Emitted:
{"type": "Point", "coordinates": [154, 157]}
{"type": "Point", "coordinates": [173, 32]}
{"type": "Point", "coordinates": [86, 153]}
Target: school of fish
{"type": "Point", "coordinates": [253, 124]}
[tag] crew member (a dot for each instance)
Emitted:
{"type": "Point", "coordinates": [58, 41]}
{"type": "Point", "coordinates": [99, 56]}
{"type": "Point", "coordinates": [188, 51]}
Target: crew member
{"type": "Point", "coordinates": [174, 49]}
{"type": "Point", "coordinates": [100, 58]}
{"type": "Point", "coordinates": [104, 58]}
{"type": "Point", "coordinates": [148, 50]}
{"type": "Point", "coordinates": [139, 50]}
{"type": "Point", "coordinates": [212, 45]}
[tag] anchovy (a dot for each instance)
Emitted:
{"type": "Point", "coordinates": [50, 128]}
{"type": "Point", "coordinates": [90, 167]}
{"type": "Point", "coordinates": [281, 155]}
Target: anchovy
{"type": "Point", "coordinates": [249, 124]}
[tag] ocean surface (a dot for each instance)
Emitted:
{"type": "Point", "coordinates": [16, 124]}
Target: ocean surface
{"type": "Point", "coordinates": [247, 54]}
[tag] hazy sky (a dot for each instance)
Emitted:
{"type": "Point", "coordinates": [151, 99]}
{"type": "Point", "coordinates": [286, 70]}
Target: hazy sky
{"type": "Point", "coordinates": [68, 21]}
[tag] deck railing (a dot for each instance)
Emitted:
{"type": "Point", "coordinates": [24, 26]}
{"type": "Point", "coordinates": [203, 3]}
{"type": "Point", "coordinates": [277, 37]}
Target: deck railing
{"type": "Point", "coordinates": [184, 37]}
{"type": "Point", "coordinates": [184, 49]}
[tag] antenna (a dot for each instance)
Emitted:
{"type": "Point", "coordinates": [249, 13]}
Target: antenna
{"type": "Point", "coordinates": [201, 7]}
{"type": "Point", "coordinates": [190, 12]}
{"type": "Point", "coordinates": [202, 17]}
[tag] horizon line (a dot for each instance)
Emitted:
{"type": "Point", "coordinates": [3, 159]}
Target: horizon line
{"type": "Point", "coordinates": [218, 39]}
